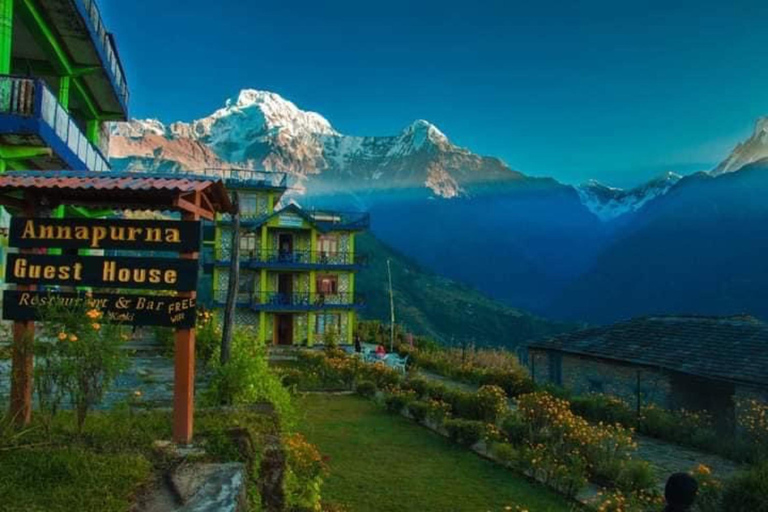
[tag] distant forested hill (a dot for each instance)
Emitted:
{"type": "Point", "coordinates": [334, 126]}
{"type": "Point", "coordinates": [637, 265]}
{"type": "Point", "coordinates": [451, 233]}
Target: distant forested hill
{"type": "Point", "coordinates": [441, 308]}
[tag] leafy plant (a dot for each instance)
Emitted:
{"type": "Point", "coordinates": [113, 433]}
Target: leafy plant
{"type": "Point", "coordinates": [79, 355]}
{"type": "Point", "coordinates": [747, 491]}
{"type": "Point", "coordinates": [366, 388]}
{"type": "Point", "coordinates": [464, 432]}
{"type": "Point", "coordinates": [247, 379]}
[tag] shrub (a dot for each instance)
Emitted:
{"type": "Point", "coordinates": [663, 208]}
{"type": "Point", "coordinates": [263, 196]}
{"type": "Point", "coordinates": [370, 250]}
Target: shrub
{"type": "Point", "coordinates": [381, 374]}
{"type": "Point", "coordinates": [207, 335]}
{"type": "Point", "coordinates": [290, 377]}
{"type": "Point", "coordinates": [505, 453]}
{"type": "Point", "coordinates": [514, 381]}
{"type": "Point", "coordinates": [81, 356]}
{"type": "Point", "coordinates": [680, 426]}
{"type": "Point", "coordinates": [366, 388]}
{"type": "Point", "coordinates": [566, 472]}
{"type": "Point", "coordinates": [418, 385]}
{"type": "Point", "coordinates": [462, 404]}
{"type": "Point", "coordinates": [464, 432]}
{"type": "Point", "coordinates": [395, 400]}
{"type": "Point", "coordinates": [606, 408]}
{"type": "Point", "coordinates": [515, 428]}
{"type": "Point", "coordinates": [247, 379]}
{"type": "Point", "coordinates": [747, 491]}
{"type": "Point", "coordinates": [491, 402]}
{"type": "Point", "coordinates": [753, 420]}
{"type": "Point", "coordinates": [552, 424]}
{"type": "Point", "coordinates": [710, 494]}
{"type": "Point", "coordinates": [437, 410]}
{"type": "Point", "coordinates": [304, 473]}
{"type": "Point", "coordinates": [635, 475]}
{"type": "Point", "coordinates": [618, 501]}
{"type": "Point", "coordinates": [418, 409]}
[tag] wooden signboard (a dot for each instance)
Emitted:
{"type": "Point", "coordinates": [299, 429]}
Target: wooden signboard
{"type": "Point", "coordinates": [126, 309]}
{"type": "Point", "coordinates": [138, 235]}
{"type": "Point", "coordinates": [102, 271]}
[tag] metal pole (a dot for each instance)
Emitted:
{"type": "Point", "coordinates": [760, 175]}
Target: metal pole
{"type": "Point", "coordinates": [391, 309]}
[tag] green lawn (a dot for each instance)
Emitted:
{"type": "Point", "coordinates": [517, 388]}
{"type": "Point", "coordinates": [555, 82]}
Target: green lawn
{"type": "Point", "coordinates": [380, 462]}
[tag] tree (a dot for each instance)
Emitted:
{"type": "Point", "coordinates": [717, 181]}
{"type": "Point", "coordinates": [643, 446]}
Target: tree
{"type": "Point", "coordinates": [234, 279]}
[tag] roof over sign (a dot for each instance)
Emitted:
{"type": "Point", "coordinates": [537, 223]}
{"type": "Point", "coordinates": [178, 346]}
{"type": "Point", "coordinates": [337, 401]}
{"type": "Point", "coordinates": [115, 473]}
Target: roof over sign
{"type": "Point", "coordinates": [731, 348]}
{"type": "Point", "coordinates": [116, 190]}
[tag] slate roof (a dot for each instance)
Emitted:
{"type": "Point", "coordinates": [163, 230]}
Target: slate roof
{"type": "Point", "coordinates": [731, 348]}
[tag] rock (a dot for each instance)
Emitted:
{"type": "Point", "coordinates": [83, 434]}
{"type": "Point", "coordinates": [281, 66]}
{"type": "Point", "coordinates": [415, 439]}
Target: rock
{"type": "Point", "coordinates": [211, 487]}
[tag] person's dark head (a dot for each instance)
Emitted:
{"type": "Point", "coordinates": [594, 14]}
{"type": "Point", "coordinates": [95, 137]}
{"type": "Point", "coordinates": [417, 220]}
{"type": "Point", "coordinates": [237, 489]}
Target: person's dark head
{"type": "Point", "coordinates": [680, 492]}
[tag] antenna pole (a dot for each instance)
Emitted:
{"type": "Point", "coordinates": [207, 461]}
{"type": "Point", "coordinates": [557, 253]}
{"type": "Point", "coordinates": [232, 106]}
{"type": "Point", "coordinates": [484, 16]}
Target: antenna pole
{"type": "Point", "coordinates": [391, 309]}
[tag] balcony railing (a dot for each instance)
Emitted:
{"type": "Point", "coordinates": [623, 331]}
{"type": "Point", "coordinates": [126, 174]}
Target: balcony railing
{"type": "Point", "coordinates": [248, 177]}
{"type": "Point", "coordinates": [273, 258]}
{"type": "Point", "coordinates": [106, 45]}
{"type": "Point", "coordinates": [276, 301]}
{"type": "Point", "coordinates": [31, 100]}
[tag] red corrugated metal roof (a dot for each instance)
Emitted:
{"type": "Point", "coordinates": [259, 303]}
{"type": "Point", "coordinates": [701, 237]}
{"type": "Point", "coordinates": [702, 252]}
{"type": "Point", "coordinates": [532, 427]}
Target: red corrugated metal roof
{"type": "Point", "coordinates": [82, 186]}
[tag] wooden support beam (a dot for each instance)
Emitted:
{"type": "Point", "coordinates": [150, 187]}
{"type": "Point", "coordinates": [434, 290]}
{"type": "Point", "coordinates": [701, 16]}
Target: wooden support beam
{"type": "Point", "coordinates": [184, 368]}
{"type": "Point", "coordinates": [23, 357]}
{"type": "Point", "coordinates": [194, 207]}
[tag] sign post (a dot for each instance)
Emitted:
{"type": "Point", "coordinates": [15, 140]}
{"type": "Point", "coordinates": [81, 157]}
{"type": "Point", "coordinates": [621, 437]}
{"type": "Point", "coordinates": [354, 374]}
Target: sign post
{"type": "Point", "coordinates": [43, 277]}
{"type": "Point", "coordinates": [29, 269]}
{"type": "Point", "coordinates": [184, 369]}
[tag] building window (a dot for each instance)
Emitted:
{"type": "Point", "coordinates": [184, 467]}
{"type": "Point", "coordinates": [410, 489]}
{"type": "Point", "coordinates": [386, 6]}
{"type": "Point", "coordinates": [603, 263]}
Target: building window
{"type": "Point", "coordinates": [327, 285]}
{"type": "Point", "coordinates": [245, 286]}
{"type": "Point", "coordinates": [247, 204]}
{"type": "Point", "coordinates": [327, 322]}
{"type": "Point", "coordinates": [327, 245]}
{"type": "Point", "coordinates": [248, 245]}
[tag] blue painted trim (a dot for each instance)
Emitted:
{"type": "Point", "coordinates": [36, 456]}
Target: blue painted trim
{"type": "Point", "coordinates": [81, 9]}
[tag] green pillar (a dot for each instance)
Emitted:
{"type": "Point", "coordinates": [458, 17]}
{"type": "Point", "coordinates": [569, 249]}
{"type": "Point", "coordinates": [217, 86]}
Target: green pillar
{"type": "Point", "coordinates": [262, 327]}
{"type": "Point", "coordinates": [92, 131]}
{"type": "Point", "coordinates": [6, 35]}
{"type": "Point", "coordinates": [64, 82]}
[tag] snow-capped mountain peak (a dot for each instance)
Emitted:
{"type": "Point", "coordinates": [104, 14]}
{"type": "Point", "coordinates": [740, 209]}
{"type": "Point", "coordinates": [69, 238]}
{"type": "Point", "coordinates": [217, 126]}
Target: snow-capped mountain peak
{"type": "Point", "coordinates": [262, 130]}
{"type": "Point", "coordinates": [608, 203]}
{"type": "Point", "coordinates": [751, 150]}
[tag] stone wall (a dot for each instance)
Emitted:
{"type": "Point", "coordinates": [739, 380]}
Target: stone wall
{"type": "Point", "coordinates": [584, 375]}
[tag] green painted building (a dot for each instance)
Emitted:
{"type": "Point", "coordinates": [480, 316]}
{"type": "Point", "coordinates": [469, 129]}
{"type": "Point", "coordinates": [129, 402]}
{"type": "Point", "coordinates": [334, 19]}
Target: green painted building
{"type": "Point", "coordinates": [61, 82]}
{"type": "Point", "coordinates": [297, 266]}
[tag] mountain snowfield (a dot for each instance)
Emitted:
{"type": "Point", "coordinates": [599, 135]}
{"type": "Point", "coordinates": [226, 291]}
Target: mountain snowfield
{"type": "Point", "coordinates": [750, 151]}
{"type": "Point", "coordinates": [261, 130]}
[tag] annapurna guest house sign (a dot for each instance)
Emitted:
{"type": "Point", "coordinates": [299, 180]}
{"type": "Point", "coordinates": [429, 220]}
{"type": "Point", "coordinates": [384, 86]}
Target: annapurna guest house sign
{"type": "Point", "coordinates": [116, 273]}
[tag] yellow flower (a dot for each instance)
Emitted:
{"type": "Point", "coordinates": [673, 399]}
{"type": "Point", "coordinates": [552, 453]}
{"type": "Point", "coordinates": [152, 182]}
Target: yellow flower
{"type": "Point", "coordinates": [96, 327]}
{"type": "Point", "coordinates": [93, 314]}
{"type": "Point", "coordinates": [62, 336]}
{"type": "Point", "coordinates": [72, 337]}
{"type": "Point", "coordinates": [137, 393]}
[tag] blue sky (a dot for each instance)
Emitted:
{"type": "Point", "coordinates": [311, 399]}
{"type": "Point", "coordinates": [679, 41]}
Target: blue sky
{"type": "Point", "coordinates": [618, 91]}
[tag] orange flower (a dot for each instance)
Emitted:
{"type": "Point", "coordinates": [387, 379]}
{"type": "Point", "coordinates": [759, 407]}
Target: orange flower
{"type": "Point", "coordinates": [72, 337]}
{"type": "Point", "coordinates": [96, 327]}
{"type": "Point", "coordinates": [62, 336]}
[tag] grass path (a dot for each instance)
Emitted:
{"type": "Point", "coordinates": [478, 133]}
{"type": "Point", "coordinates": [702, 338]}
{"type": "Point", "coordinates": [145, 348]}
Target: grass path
{"type": "Point", "coordinates": [381, 462]}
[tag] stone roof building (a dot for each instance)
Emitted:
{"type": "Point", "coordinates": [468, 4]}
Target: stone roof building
{"type": "Point", "coordinates": [691, 362]}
